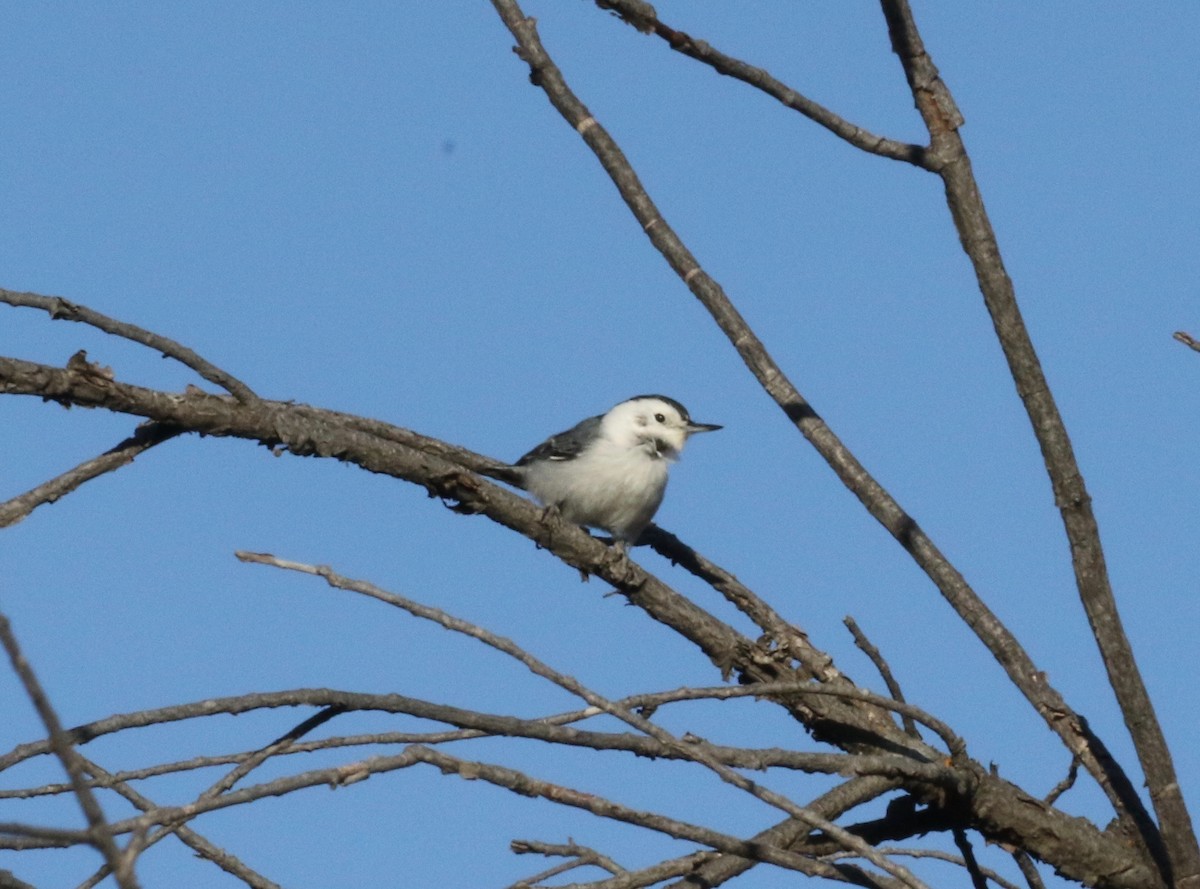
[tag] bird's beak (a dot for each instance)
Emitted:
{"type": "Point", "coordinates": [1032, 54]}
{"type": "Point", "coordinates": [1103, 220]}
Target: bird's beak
{"type": "Point", "coordinates": [693, 428]}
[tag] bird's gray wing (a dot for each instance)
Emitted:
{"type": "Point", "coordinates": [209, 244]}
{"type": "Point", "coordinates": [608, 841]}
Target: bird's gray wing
{"type": "Point", "coordinates": [566, 445]}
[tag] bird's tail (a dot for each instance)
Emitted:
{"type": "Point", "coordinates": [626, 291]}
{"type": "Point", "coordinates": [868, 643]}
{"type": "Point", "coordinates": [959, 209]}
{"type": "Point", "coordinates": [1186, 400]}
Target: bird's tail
{"type": "Point", "coordinates": [503, 472]}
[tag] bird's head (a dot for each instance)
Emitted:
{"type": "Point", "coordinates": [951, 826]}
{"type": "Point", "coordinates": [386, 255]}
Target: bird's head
{"type": "Point", "coordinates": [655, 422]}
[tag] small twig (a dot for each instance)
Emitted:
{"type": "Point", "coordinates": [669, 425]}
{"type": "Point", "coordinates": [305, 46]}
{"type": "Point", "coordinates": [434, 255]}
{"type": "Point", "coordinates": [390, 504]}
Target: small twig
{"type": "Point", "coordinates": [582, 857]}
{"type": "Point", "coordinates": [788, 834]}
{"type": "Point", "coordinates": [280, 744]}
{"type": "Point", "coordinates": [684, 865]}
{"type": "Point", "coordinates": [937, 855]}
{"type": "Point", "coordinates": [978, 880]}
{"type": "Point", "coordinates": [99, 833]}
{"type": "Point", "coordinates": [500, 776]}
{"type": "Point", "coordinates": [698, 752]}
{"type": "Point", "coordinates": [57, 837]}
{"type": "Point", "coordinates": [643, 17]}
{"type": "Point", "coordinates": [144, 437]}
{"type": "Point", "coordinates": [814, 662]}
{"type": "Point", "coordinates": [868, 648]}
{"type": "Point", "coordinates": [1065, 784]}
{"type": "Point", "coordinates": [64, 310]}
{"type": "Point", "coordinates": [247, 764]}
{"type": "Point", "coordinates": [203, 847]}
{"type": "Point", "coordinates": [1188, 340]}
{"type": "Point", "coordinates": [519, 782]}
{"type": "Point", "coordinates": [1028, 869]}
{"type": "Point", "coordinates": [8, 880]}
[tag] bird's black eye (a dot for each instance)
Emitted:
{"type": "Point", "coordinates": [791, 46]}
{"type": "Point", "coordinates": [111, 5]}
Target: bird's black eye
{"type": "Point", "coordinates": [660, 418]}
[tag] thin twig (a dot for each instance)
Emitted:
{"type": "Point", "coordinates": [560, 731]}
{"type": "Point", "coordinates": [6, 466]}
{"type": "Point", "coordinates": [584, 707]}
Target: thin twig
{"type": "Point", "coordinates": [527, 786]}
{"type": "Point", "coordinates": [203, 847]}
{"type": "Point", "coordinates": [144, 437]}
{"type": "Point", "coordinates": [791, 640]}
{"type": "Point", "coordinates": [1028, 870]}
{"type": "Point", "coordinates": [939, 855]}
{"type": "Point", "coordinates": [500, 776]}
{"type": "Point", "coordinates": [868, 648]}
{"type": "Point", "coordinates": [65, 310]}
{"type": "Point", "coordinates": [978, 880]}
{"type": "Point", "coordinates": [9, 881]}
{"type": "Point", "coordinates": [791, 832]}
{"type": "Point", "coordinates": [244, 767]}
{"type": "Point", "coordinates": [1188, 340]}
{"type": "Point", "coordinates": [581, 856]}
{"type": "Point", "coordinates": [1064, 785]}
{"type": "Point", "coordinates": [698, 752]}
{"type": "Point", "coordinates": [647, 20]}
{"type": "Point", "coordinates": [99, 833]}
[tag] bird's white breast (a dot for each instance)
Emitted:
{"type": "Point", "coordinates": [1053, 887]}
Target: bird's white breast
{"type": "Point", "coordinates": [614, 488]}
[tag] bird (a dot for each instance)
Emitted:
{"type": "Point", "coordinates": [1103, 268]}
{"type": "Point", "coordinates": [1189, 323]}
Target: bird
{"type": "Point", "coordinates": [610, 471]}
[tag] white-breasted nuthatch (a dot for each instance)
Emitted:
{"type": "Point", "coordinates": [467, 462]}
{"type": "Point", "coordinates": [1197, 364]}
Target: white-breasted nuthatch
{"type": "Point", "coordinates": [610, 471]}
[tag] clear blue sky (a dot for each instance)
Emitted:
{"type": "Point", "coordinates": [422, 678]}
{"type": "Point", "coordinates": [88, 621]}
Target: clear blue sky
{"type": "Point", "coordinates": [370, 209]}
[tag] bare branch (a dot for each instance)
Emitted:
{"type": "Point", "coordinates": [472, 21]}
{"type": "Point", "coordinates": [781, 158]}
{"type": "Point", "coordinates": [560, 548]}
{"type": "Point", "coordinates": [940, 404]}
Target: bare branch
{"type": "Point", "coordinates": [937, 854]}
{"type": "Point", "coordinates": [791, 641]}
{"type": "Point", "coordinates": [1028, 870]}
{"type": "Point", "coordinates": [881, 505]}
{"type": "Point", "coordinates": [581, 856]}
{"type": "Point", "coordinates": [1065, 784]}
{"type": "Point", "coordinates": [794, 832]}
{"type": "Point", "coordinates": [307, 431]}
{"type": "Point", "coordinates": [64, 310]}
{"type": "Point", "coordinates": [498, 775]}
{"type": "Point", "coordinates": [144, 437]}
{"type": "Point", "coordinates": [866, 647]}
{"type": "Point", "coordinates": [99, 834]}
{"type": "Point", "coordinates": [523, 784]}
{"type": "Point", "coordinates": [696, 751]}
{"type": "Point", "coordinates": [963, 842]}
{"type": "Point", "coordinates": [55, 837]}
{"type": "Point", "coordinates": [203, 847]}
{"type": "Point", "coordinates": [9, 881]}
{"type": "Point", "coordinates": [978, 238]}
{"type": "Point", "coordinates": [647, 21]}
{"type": "Point", "coordinates": [1188, 340]}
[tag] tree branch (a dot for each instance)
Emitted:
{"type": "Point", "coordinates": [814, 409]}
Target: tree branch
{"type": "Point", "coordinates": [1188, 340]}
{"type": "Point", "coordinates": [868, 648]}
{"type": "Point", "coordinates": [998, 810]}
{"type": "Point", "coordinates": [978, 238]}
{"type": "Point", "coordinates": [882, 506]}
{"type": "Point", "coordinates": [697, 751]}
{"type": "Point", "coordinates": [99, 833]}
{"type": "Point", "coordinates": [643, 16]}
{"type": "Point", "coordinates": [203, 847]}
{"type": "Point", "coordinates": [60, 309]}
{"type": "Point", "coordinates": [144, 437]}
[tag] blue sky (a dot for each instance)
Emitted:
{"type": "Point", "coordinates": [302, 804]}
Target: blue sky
{"type": "Point", "coordinates": [370, 209]}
